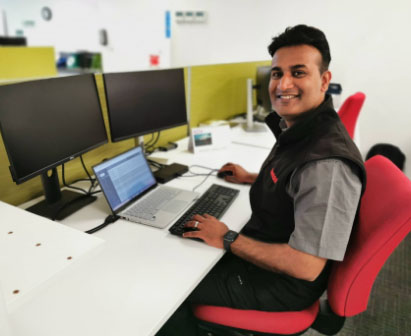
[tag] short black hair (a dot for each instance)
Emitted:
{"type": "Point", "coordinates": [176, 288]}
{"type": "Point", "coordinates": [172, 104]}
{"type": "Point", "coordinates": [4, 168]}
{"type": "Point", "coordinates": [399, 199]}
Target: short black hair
{"type": "Point", "coordinates": [300, 35]}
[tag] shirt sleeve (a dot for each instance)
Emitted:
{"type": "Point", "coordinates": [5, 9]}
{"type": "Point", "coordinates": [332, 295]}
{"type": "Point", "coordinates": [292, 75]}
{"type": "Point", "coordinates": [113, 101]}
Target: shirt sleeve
{"type": "Point", "coordinates": [326, 195]}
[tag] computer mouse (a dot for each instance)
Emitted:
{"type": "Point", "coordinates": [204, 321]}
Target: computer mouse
{"type": "Point", "coordinates": [225, 173]}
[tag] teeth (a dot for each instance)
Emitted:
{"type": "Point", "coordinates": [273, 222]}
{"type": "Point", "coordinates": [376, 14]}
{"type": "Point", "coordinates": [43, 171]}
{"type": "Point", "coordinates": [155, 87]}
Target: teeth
{"type": "Point", "coordinates": [287, 97]}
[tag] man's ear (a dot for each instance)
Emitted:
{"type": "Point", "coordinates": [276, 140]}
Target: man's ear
{"type": "Point", "coordinates": [325, 80]}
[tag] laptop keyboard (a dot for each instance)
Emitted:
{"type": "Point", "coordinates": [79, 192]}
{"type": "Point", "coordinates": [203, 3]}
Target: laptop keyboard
{"type": "Point", "coordinates": [215, 201]}
{"type": "Point", "coordinates": [149, 206]}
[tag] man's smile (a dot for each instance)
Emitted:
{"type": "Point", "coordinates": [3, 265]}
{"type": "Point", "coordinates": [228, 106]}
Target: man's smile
{"type": "Point", "coordinates": [287, 96]}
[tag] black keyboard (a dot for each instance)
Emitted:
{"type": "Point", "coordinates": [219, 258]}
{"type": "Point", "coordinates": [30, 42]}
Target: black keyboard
{"type": "Point", "coordinates": [215, 201]}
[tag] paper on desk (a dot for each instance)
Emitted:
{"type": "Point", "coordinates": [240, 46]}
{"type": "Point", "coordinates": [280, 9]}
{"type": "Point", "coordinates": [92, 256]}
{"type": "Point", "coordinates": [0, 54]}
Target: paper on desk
{"type": "Point", "coordinates": [4, 320]}
{"type": "Point", "coordinates": [34, 249]}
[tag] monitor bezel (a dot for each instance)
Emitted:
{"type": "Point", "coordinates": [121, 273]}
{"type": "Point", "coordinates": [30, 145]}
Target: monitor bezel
{"type": "Point", "coordinates": [137, 134]}
{"type": "Point", "coordinates": [19, 180]}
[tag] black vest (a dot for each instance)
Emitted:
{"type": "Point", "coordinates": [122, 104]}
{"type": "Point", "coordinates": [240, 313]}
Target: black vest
{"type": "Point", "coordinates": [318, 134]}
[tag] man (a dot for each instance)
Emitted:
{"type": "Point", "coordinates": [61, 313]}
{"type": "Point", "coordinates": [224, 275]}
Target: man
{"type": "Point", "coordinates": [304, 199]}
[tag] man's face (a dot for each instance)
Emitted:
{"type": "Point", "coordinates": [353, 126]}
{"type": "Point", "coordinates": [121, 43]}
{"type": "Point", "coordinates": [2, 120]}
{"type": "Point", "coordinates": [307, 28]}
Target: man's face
{"type": "Point", "coordinates": [296, 84]}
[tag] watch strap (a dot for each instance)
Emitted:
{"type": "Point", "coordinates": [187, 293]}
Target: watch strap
{"type": "Point", "coordinates": [228, 239]}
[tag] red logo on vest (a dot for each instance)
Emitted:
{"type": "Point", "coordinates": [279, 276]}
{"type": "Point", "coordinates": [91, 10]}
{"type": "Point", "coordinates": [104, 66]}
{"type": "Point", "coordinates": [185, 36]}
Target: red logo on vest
{"type": "Point", "coordinates": [275, 178]}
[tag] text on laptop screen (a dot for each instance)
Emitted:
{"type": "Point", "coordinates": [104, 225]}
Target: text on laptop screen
{"type": "Point", "coordinates": [124, 177]}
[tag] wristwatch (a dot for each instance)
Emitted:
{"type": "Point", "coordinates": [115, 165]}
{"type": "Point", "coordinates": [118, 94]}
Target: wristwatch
{"type": "Point", "coordinates": [229, 238]}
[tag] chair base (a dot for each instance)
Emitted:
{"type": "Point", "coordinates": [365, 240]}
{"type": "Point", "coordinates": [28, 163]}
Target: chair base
{"type": "Point", "coordinates": [327, 322]}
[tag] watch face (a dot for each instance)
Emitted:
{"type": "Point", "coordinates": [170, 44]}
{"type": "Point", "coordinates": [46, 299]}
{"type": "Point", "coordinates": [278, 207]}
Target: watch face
{"type": "Point", "coordinates": [230, 236]}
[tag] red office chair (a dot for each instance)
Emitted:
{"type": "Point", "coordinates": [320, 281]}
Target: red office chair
{"type": "Point", "coordinates": [384, 221]}
{"type": "Point", "coordinates": [350, 110]}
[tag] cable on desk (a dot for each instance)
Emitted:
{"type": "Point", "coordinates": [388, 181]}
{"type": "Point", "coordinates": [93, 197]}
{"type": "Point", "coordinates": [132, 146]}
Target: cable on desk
{"type": "Point", "coordinates": [95, 192]}
{"type": "Point", "coordinates": [109, 220]}
{"type": "Point", "coordinates": [92, 181]}
{"type": "Point", "coordinates": [212, 170]}
{"type": "Point", "coordinates": [194, 174]}
{"type": "Point", "coordinates": [84, 194]}
{"type": "Point", "coordinates": [155, 164]}
{"type": "Point", "coordinates": [205, 179]}
{"type": "Point", "coordinates": [150, 145]}
{"type": "Point", "coordinates": [70, 186]}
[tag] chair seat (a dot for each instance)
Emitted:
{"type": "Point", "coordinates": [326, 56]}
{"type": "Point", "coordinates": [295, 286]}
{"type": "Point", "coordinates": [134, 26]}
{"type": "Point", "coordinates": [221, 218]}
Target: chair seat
{"type": "Point", "coordinates": [286, 323]}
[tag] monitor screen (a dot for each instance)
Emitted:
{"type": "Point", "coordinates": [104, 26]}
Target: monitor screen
{"type": "Point", "coordinates": [263, 81]}
{"type": "Point", "coordinates": [144, 102]}
{"type": "Point", "coordinates": [45, 123]}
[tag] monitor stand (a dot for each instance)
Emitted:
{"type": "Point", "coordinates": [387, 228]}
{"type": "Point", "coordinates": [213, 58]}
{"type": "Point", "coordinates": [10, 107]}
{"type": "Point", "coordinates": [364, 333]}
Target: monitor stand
{"type": "Point", "coordinates": [250, 125]}
{"type": "Point", "coordinates": [59, 204]}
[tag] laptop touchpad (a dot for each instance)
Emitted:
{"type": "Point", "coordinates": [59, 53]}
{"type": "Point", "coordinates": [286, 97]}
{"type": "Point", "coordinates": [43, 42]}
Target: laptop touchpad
{"type": "Point", "coordinates": [174, 206]}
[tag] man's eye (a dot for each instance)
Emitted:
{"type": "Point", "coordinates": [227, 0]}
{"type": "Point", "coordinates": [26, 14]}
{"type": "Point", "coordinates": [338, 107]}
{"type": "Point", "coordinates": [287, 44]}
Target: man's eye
{"type": "Point", "coordinates": [298, 73]}
{"type": "Point", "coordinates": [276, 75]}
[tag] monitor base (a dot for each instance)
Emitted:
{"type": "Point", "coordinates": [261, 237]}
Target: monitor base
{"type": "Point", "coordinates": [256, 128]}
{"type": "Point", "coordinates": [69, 203]}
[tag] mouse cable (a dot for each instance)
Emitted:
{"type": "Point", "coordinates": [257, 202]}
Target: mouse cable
{"type": "Point", "coordinates": [212, 170]}
{"type": "Point", "coordinates": [205, 179]}
{"type": "Point", "coordinates": [109, 220]}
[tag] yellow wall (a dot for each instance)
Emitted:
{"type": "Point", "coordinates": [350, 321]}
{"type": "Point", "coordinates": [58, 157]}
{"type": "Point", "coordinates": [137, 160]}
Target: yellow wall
{"type": "Point", "coordinates": [217, 92]}
{"type": "Point", "coordinates": [22, 62]}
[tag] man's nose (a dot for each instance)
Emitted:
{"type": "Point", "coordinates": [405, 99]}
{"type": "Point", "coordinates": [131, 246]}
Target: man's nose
{"type": "Point", "coordinates": [286, 82]}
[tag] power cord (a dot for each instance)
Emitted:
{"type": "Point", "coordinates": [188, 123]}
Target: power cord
{"type": "Point", "coordinates": [92, 181]}
{"type": "Point", "coordinates": [109, 220]}
{"type": "Point", "coordinates": [150, 145]}
{"type": "Point", "coordinates": [84, 194]}
{"type": "Point", "coordinates": [155, 164]}
{"type": "Point", "coordinates": [70, 186]}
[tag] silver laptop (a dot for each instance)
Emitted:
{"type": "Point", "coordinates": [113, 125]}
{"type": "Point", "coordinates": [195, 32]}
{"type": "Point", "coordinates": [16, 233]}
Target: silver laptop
{"type": "Point", "coordinates": [133, 194]}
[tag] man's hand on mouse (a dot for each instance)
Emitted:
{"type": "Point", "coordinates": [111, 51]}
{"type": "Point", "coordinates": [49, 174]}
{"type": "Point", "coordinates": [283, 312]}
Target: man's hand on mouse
{"type": "Point", "coordinates": [238, 174]}
{"type": "Point", "coordinates": [209, 229]}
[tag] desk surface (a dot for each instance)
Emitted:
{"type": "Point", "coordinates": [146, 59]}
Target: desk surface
{"type": "Point", "coordinates": [141, 274]}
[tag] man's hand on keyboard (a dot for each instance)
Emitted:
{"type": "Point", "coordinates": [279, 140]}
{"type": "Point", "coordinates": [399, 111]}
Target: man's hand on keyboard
{"type": "Point", "coordinates": [209, 229]}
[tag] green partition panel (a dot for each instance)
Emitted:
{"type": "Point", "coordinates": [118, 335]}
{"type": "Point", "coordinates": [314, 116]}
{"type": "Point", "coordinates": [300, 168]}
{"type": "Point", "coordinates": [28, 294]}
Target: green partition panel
{"type": "Point", "coordinates": [219, 91]}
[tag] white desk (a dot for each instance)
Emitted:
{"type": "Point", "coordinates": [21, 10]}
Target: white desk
{"type": "Point", "coordinates": [140, 274]}
{"type": "Point", "coordinates": [264, 140]}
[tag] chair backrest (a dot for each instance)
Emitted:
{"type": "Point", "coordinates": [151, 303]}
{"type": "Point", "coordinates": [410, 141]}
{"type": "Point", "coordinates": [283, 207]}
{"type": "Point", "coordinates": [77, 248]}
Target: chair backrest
{"type": "Point", "coordinates": [384, 220]}
{"type": "Point", "coordinates": [390, 152]}
{"type": "Point", "coordinates": [350, 110]}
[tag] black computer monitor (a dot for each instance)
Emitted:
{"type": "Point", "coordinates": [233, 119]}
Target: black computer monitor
{"type": "Point", "coordinates": [13, 41]}
{"type": "Point", "coordinates": [263, 80]}
{"type": "Point", "coordinates": [45, 123]}
{"type": "Point", "coordinates": [144, 102]}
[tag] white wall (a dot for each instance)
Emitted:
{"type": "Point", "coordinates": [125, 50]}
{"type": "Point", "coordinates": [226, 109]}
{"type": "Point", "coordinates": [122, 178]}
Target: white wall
{"type": "Point", "coordinates": [135, 29]}
{"type": "Point", "coordinates": [369, 43]}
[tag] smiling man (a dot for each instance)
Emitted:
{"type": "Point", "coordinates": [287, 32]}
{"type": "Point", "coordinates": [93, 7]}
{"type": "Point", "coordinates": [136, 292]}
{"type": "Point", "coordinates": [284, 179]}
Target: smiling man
{"type": "Point", "coordinates": [304, 200]}
{"type": "Point", "coordinates": [298, 82]}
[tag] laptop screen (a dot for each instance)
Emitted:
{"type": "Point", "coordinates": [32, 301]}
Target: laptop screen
{"type": "Point", "coordinates": [124, 177]}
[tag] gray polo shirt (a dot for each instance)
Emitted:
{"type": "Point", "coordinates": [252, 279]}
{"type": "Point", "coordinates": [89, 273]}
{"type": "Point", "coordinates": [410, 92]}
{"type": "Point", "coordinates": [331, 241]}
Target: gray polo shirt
{"type": "Point", "coordinates": [326, 195]}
